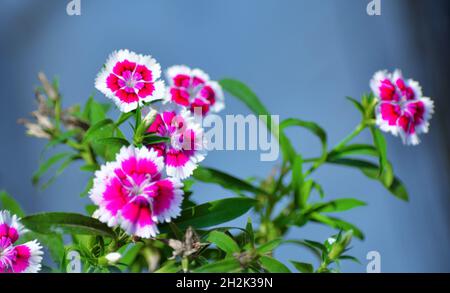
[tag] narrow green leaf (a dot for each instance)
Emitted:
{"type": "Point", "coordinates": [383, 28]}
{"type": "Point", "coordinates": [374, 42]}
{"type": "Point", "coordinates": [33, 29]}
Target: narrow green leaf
{"type": "Point", "coordinates": [338, 205]}
{"type": "Point", "coordinates": [223, 241]}
{"type": "Point", "coordinates": [154, 139]}
{"type": "Point", "coordinates": [90, 134]}
{"type": "Point", "coordinates": [66, 163]}
{"type": "Point", "coordinates": [337, 224]}
{"type": "Point", "coordinates": [210, 175]}
{"type": "Point", "coordinates": [69, 223]}
{"type": "Point", "coordinates": [169, 267]}
{"type": "Point", "coordinates": [129, 253]}
{"type": "Point", "coordinates": [229, 265]}
{"type": "Point", "coordinates": [123, 118]}
{"type": "Point", "coordinates": [7, 202]}
{"type": "Point", "coordinates": [354, 149]}
{"type": "Point", "coordinates": [250, 234]}
{"type": "Point", "coordinates": [212, 213]}
{"type": "Point", "coordinates": [371, 170]}
{"type": "Point", "coordinates": [272, 265]}
{"type": "Point", "coordinates": [351, 258]}
{"type": "Point", "coordinates": [303, 267]}
{"type": "Point", "coordinates": [357, 105]}
{"type": "Point", "coordinates": [385, 167]}
{"type": "Point", "coordinates": [313, 127]}
{"type": "Point", "coordinates": [114, 141]}
{"type": "Point", "coordinates": [297, 180]}
{"type": "Point", "coordinates": [47, 165]}
{"type": "Point", "coordinates": [269, 246]}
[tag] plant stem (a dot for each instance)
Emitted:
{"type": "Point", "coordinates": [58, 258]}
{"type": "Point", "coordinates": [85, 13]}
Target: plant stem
{"type": "Point", "coordinates": [351, 136]}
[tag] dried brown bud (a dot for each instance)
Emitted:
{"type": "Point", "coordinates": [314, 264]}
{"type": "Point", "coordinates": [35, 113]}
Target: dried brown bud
{"type": "Point", "coordinates": [48, 88]}
{"type": "Point", "coordinates": [190, 244]}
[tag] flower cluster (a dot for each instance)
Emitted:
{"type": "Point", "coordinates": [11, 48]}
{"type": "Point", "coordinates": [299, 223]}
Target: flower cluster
{"type": "Point", "coordinates": [403, 110]}
{"type": "Point", "coordinates": [23, 258]}
{"type": "Point", "coordinates": [132, 192]}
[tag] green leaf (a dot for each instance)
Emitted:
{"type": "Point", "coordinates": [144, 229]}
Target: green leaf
{"type": "Point", "coordinates": [357, 105]}
{"type": "Point", "coordinates": [124, 117]}
{"type": "Point", "coordinates": [47, 165]}
{"type": "Point", "coordinates": [371, 170]}
{"type": "Point", "coordinates": [227, 181]}
{"type": "Point", "coordinates": [303, 267]}
{"type": "Point", "coordinates": [114, 141]}
{"type": "Point", "coordinates": [269, 246]}
{"type": "Point", "coordinates": [337, 224]}
{"type": "Point", "coordinates": [61, 138]}
{"type": "Point", "coordinates": [272, 265]}
{"type": "Point", "coordinates": [245, 94]}
{"type": "Point", "coordinates": [297, 180]}
{"type": "Point", "coordinates": [315, 247]}
{"type": "Point", "coordinates": [385, 167]}
{"type": "Point", "coordinates": [91, 133]}
{"type": "Point", "coordinates": [351, 258]}
{"type": "Point", "coordinates": [169, 267]}
{"type": "Point", "coordinates": [229, 265]}
{"type": "Point", "coordinates": [94, 111]}
{"type": "Point", "coordinates": [129, 253]}
{"type": "Point", "coordinates": [338, 205]}
{"type": "Point", "coordinates": [251, 100]}
{"type": "Point", "coordinates": [66, 163]}
{"type": "Point", "coordinates": [250, 234]}
{"type": "Point", "coordinates": [154, 139]}
{"type": "Point", "coordinates": [314, 128]}
{"type": "Point", "coordinates": [223, 241]}
{"type": "Point", "coordinates": [212, 213]}
{"type": "Point", "coordinates": [7, 202]}
{"type": "Point", "coordinates": [354, 149]}
{"type": "Point", "coordinates": [69, 223]}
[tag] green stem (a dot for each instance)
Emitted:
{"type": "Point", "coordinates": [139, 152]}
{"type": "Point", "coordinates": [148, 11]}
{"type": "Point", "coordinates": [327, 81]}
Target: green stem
{"type": "Point", "coordinates": [351, 136]}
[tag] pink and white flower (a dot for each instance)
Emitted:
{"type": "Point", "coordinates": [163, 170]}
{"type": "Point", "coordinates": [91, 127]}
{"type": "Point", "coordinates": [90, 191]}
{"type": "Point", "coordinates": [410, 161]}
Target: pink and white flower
{"type": "Point", "coordinates": [192, 88]}
{"type": "Point", "coordinates": [402, 110]}
{"type": "Point", "coordinates": [186, 146]}
{"type": "Point", "coordinates": [131, 192]}
{"type": "Point", "coordinates": [130, 80]}
{"type": "Point", "coordinates": [23, 258]}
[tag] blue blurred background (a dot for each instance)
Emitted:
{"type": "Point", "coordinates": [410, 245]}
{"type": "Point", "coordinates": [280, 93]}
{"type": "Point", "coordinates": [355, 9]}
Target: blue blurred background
{"type": "Point", "coordinates": [301, 57]}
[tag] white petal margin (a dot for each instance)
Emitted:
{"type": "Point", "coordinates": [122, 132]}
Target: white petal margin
{"type": "Point", "coordinates": [12, 221]}
{"type": "Point", "coordinates": [413, 139]}
{"type": "Point", "coordinates": [376, 80]}
{"type": "Point", "coordinates": [384, 124]}
{"type": "Point", "coordinates": [119, 56]}
{"type": "Point", "coordinates": [429, 111]}
{"type": "Point", "coordinates": [174, 209]}
{"type": "Point", "coordinates": [146, 231]}
{"type": "Point", "coordinates": [200, 149]}
{"type": "Point", "coordinates": [34, 262]}
{"type": "Point", "coordinates": [140, 153]}
{"type": "Point", "coordinates": [219, 105]}
{"type": "Point", "coordinates": [175, 70]}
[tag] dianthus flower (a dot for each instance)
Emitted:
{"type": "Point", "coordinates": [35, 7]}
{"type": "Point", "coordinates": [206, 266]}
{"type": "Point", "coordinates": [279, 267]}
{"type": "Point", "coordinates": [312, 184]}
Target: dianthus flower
{"type": "Point", "coordinates": [22, 258]}
{"type": "Point", "coordinates": [192, 88]}
{"type": "Point", "coordinates": [131, 193]}
{"type": "Point", "coordinates": [402, 110]}
{"type": "Point", "coordinates": [130, 80]}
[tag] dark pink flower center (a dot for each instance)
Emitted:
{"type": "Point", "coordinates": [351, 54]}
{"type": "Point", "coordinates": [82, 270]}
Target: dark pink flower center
{"type": "Point", "coordinates": [192, 92]}
{"type": "Point", "coordinates": [130, 81]}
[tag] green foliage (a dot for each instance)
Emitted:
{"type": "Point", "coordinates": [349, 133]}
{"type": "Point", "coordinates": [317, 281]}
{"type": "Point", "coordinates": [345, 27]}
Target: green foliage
{"type": "Point", "coordinates": [212, 213]}
{"type": "Point", "coordinates": [69, 223]}
{"type": "Point", "coordinates": [289, 196]}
